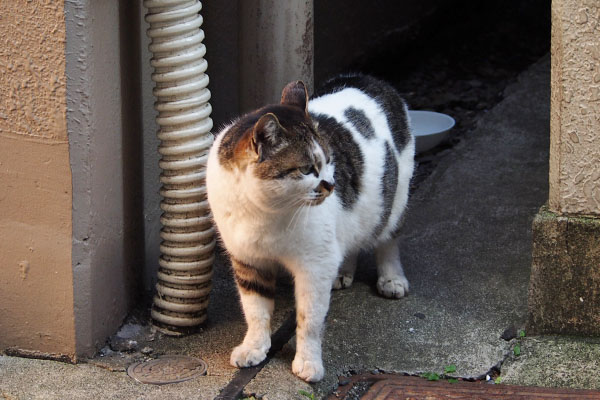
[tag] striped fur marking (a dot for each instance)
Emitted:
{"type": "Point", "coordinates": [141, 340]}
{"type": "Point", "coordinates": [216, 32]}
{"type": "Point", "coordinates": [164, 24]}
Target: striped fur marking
{"type": "Point", "coordinates": [253, 279]}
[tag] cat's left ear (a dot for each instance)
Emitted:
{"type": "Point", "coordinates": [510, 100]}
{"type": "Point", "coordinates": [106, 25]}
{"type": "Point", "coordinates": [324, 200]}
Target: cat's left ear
{"type": "Point", "coordinates": [266, 135]}
{"type": "Point", "coordinates": [295, 94]}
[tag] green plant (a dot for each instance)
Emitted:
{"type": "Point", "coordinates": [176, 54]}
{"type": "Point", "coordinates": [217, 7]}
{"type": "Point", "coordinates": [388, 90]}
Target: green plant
{"type": "Point", "coordinates": [431, 376]}
{"type": "Point", "coordinates": [498, 380]}
{"type": "Point", "coordinates": [522, 333]}
{"type": "Point", "coordinates": [452, 380]}
{"type": "Point", "coordinates": [304, 393]}
{"type": "Point", "coordinates": [450, 369]}
{"type": "Point", "coordinates": [517, 350]}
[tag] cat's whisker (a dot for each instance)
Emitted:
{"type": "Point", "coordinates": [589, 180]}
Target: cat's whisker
{"type": "Point", "coordinates": [308, 210]}
{"type": "Point", "coordinates": [297, 202]}
{"type": "Point", "coordinates": [302, 208]}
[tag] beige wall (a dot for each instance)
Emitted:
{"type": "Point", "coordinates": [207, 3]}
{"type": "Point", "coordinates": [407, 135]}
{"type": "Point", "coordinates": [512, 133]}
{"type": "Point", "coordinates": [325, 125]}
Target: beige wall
{"type": "Point", "coordinates": [36, 285]}
{"type": "Point", "coordinates": [575, 118]}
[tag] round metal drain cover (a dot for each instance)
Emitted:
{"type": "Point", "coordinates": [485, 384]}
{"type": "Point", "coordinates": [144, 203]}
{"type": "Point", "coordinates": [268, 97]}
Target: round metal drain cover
{"type": "Point", "coordinates": [167, 369]}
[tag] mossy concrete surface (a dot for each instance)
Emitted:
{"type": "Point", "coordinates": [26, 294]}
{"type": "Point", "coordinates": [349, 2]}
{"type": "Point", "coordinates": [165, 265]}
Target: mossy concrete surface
{"type": "Point", "coordinates": [555, 361]}
{"type": "Point", "coordinates": [564, 291]}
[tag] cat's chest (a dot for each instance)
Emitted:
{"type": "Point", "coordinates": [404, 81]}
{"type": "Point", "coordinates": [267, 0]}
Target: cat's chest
{"type": "Point", "coordinates": [250, 235]}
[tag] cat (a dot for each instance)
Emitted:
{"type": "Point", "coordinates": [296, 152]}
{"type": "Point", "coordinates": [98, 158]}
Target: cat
{"type": "Point", "coordinates": [306, 185]}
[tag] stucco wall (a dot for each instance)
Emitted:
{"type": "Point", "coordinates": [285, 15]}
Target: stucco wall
{"type": "Point", "coordinates": [575, 118]}
{"type": "Point", "coordinates": [36, 285]}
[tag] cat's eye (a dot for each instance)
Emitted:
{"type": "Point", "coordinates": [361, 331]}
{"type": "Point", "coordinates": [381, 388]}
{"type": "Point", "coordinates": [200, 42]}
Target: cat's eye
{"type": "Point", "coordinates": [306, 169]}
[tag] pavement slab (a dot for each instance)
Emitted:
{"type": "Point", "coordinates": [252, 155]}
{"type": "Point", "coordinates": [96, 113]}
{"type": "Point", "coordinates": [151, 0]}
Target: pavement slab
{"type": "Point", "coordinates": [555, 361]}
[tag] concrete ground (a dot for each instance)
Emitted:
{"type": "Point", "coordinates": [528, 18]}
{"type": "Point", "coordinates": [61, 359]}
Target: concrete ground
{"type": "Point", "coordinates": [466, 248]}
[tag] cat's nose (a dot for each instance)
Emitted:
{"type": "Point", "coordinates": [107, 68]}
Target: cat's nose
{"type": "Point", "coordinates": [327, 186]}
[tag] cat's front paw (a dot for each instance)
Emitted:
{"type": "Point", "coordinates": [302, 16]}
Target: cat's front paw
{"type": "Point", "coordinates": [246, 356]}
{"type": "Point", "coordinates": [309, 370]}
{"type": "Point", "coordinates": [392, 287]}
{"type": "Point", "coordinates": [343, 281]}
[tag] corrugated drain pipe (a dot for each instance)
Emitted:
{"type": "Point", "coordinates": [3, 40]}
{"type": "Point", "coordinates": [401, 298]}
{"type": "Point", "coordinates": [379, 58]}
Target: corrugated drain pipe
{"type": "Point", "coordinates": [187, 249]}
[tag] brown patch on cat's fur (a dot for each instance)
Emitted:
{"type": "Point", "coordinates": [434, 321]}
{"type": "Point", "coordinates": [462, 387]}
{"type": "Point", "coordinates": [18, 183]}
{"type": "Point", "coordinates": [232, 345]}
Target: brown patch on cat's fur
{"type": "Point", "coordinates": [252, 279]}
{"type": "Point", "coordinates": [237, 149]}
{"type": "Point", "coordinates": [243, 152]}
{"type": "Point", "coordinates": [273, 155]}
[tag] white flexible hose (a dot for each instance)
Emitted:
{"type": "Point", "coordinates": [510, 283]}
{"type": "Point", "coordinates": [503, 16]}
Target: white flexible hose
{"type": "Point", "coordinates": [187, 250]}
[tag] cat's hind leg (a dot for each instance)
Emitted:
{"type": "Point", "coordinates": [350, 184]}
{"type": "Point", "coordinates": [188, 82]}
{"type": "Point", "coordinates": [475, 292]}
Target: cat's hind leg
{"type": "Point", "coordinates": [391, 282]}
{"type": "Point", "coordinates": [257, 291]}
{"type": "Point", "coordinates": [346, 273]}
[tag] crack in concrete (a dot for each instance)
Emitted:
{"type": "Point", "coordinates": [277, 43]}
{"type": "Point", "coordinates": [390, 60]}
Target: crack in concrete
{"type": "Point", "coordinates": [235, 388]}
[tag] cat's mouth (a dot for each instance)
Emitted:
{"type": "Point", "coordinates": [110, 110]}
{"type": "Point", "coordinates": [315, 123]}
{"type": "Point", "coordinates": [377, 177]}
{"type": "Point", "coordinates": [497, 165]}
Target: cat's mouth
{"type": "Point", "coordinates": [316, 200]}
{"type": "Point", "coordinates": [319, 195]}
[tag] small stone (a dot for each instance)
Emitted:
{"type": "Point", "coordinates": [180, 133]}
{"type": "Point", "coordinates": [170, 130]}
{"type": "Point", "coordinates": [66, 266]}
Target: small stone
{"type": "Point", "coordinates": [105, 351]}
{"type": "Point", "coordinates": [420, 315]}
{"type": "Point", "coordinates": [147, 350]}
{"type": "Point", "coordinates": [375, 372]}
{"type": "Point", "coordinates": [123, 345]}
{"type": "Point", "coordinates": [509, 333]}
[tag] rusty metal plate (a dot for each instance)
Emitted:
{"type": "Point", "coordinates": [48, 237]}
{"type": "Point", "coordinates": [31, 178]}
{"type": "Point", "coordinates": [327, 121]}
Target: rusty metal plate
{"type": "Point", "coordinates": [167, 369]}
{"type": "Point", "coordinates": [403, 387]}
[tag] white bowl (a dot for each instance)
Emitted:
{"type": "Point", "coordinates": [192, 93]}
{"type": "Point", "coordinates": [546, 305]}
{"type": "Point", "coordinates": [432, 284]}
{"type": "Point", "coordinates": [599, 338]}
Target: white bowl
{"type": "Point", "coordinates": [429, 128]}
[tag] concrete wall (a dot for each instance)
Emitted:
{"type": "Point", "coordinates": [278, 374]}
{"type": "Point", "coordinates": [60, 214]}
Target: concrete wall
{"type": "Point", "coordinates": [275, 48]}
{"type": "Point", "coordinates": [564, 289]}
{"type": "Point", "coordinates": [575, 118]}
{"type": "Point", "coordinates": [151, 185]}
{"type": "Point", "coordinates": [36, 290]}
{"type": "Point", "coordinates": [103, 121]}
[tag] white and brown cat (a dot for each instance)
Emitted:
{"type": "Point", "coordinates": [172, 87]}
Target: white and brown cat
{"type": "Point", "coordinates": [306, 185]}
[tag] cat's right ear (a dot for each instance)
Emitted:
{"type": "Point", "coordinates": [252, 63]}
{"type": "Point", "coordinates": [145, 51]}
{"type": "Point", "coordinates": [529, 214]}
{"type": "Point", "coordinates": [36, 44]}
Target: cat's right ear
{"type": "Point", "coordinates": [265, 135]}
{"type": "Point", "coordinates": [295, 94]}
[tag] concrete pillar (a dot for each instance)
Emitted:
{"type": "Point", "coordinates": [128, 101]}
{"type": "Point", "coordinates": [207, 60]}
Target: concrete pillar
{"type": "Point", "coordinates": [575, 118]}
{"type": "Point", "coordinates": [276, 47]}
{"type": "Point", "coordinates": [104, 129]}
{"type": "Point", "coordinates": [564, 292]}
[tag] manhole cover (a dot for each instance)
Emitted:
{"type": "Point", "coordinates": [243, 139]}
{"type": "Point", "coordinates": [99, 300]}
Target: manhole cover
{"type": "Point", "coordinates": [167, 369]}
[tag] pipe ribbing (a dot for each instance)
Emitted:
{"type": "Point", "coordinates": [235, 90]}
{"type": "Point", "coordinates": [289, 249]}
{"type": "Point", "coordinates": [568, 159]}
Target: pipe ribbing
{"type": "Point", "coordinates": [187, 249]}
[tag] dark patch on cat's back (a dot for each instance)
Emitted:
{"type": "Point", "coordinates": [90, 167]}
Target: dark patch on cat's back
{"type": "Point", "coordinates": [347, 158]}
{"type": "Point", "coordinates": [386, 96]}
{"type": "Point", "coordinates": [389, 184]}
{"type": "Point", "coordinates": [360, 121]}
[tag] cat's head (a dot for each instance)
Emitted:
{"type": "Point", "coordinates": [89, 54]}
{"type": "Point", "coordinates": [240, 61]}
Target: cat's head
{"type": "Point", "coordinates": [284, 161]}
